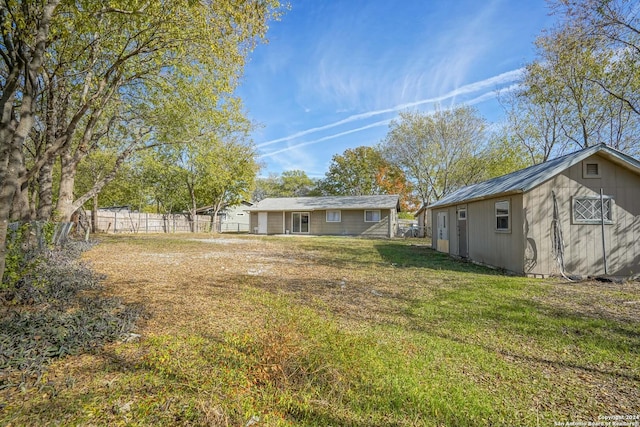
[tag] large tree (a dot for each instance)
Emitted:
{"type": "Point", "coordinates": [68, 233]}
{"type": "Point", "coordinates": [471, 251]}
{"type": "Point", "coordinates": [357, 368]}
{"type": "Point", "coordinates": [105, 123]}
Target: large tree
{"type": "Point", "coordinates": [436, 150]}
{"type": "Point", "coordinates": [72, 73]}
{"type": "Point", "coordinates": [291, 183]}
{"type": "Point", "coordinates": [614, 26]}
{"type": "Point", "coordinates": [364, 171]}
{"type": "Point", "coordinates": [582, 89]}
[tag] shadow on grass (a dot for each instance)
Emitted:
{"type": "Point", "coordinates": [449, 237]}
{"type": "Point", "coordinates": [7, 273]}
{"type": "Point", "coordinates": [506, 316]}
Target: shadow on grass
{"type": "Point", "coordinates": [404, 255]}
{"type": "Point", "coordinates": [497, 320]}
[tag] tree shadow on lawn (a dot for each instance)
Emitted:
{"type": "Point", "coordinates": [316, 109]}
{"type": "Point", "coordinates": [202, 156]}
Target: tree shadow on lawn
{"type": "Point", "coordinates": [559, 331]}
{"type": "Point", "coordinates": [405, 256]}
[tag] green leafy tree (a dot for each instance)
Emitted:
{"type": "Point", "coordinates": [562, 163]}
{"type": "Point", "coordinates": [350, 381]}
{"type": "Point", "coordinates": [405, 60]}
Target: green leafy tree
{"type": "Point", "coordinates": [292, 183]}
{"type": "Point", "coordinates": [85, 70]}
{"type": "Point", "coordinates": [223, 174]}
{"type": "Point", "coordinates": [364, 171]}
{"type": "Point", "coordinates": [353, 173]}
{"type": "Point", "coordinates": [295, 183]}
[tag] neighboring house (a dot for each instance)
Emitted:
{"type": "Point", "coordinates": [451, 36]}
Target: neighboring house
{"type": "Point", "coordinates": [372, 216]}
{"type": "Point", "coordinates": [230, 218]}
{"type": "Point", "coordinates": [546, 219]}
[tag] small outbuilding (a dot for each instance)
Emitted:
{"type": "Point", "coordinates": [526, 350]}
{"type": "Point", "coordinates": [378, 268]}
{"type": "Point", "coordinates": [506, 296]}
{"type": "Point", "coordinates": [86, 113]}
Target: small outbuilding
{"type": "Point", "coordinates": [578, 214]}
{"type": "Point", "coordinates": [370, 216]}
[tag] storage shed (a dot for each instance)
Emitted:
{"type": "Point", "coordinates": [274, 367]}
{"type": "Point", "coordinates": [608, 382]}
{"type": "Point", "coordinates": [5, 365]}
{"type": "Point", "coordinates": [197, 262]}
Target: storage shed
{"type": "Point", "coordinates": [578, 214]}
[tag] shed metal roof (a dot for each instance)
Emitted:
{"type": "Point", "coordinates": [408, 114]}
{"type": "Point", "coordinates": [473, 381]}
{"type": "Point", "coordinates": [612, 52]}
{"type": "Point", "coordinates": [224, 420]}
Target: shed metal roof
{"type": "Point", "coordinates": [326, 202]}
{"type": "Point", "coordinates": [529, 178]}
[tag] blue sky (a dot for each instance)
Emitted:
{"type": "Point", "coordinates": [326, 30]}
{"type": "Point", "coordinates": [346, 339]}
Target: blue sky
{"type": "Point", "coordinates": [335, 73]}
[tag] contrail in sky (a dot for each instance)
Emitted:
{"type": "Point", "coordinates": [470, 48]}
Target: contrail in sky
{"type": "Point", "coordinates": [509, 76]}
{"type": "Point", "coordinates": [325, 138]}
{"type": "Point", "coordinates": [476, 100]}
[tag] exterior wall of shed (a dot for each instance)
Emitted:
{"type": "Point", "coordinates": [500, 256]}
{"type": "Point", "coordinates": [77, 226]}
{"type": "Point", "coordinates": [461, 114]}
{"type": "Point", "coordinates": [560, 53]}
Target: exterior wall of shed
{"type": "Point", "coordinates": [583, 253]}
{"type": "Point", "coordinates": [352, 223]}
{"type": "Point", "coordinates": [486, 245]}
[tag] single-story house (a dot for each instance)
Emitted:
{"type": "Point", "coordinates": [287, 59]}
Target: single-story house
{"type": "Point", "coordinates": [371, 216]}
{"type": "Point", "coordinates": [572, 215]}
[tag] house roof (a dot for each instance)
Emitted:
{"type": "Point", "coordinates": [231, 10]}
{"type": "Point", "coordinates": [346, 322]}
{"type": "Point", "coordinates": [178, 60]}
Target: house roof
{"type": "Point", "coordinates": [209, 209]}
{"type": "Point", "coordinates": [529, 178]}
{"type": "Point", "coordinates": [326, 202]}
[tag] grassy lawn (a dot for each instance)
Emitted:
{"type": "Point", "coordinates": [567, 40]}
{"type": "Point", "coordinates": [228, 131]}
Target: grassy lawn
{"type": "Point", "coordinates": [242, 330]}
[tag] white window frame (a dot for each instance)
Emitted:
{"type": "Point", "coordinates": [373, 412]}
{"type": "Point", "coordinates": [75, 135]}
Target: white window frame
{"type": "Point", "coordinates": [373, 211]}
{"type": "Point", "coordinates": [594, 201]}
{"type": "Point", "coordinates": [585, 169]}
{"type": "Point", "coordinates": [508, 215]}
{"type": "Point", "coordinates": [462, 214]}
{"type": "Point", "coordinates": [334, 212]}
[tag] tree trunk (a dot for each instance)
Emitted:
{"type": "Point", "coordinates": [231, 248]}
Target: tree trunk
{"type": "Point", "coordinates": [12, 134]}
{"type": "Point", "coordinates": [94, 215]}
{"type": "Point", "coordinates": [45, 191]}
{"type": "Point", "coordinates": [20, 210]}
{"type": "Point", "coordinates": [64, 207]}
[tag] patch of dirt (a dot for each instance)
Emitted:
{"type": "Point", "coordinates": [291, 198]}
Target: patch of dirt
{"type": "Point", "coordinates": [202, 281]}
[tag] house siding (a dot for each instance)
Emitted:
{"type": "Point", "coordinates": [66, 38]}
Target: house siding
{"type": "Point", "coordinates": [352, 223]}
{"type": "Point", "coordinates": [583, 242]}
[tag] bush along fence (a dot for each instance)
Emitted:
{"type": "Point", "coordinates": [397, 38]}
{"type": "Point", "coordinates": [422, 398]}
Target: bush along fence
{"type": "Point", "coordinates": [136, 222]}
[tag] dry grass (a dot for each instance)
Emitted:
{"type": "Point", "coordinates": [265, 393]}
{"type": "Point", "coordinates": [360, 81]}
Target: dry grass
{"type": "Point", "coordinates": [345, 332]}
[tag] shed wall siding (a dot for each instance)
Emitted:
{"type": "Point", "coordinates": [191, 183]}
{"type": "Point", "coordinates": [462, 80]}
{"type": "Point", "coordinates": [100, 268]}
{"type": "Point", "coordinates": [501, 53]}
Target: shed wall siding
{"type": "Point", "coordinates": [583, 242]}
{"type": "Point", "coordinates": [496, 248]}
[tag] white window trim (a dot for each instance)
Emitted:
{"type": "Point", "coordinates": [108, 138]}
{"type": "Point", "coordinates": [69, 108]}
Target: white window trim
{"type": "Point", "coordinates": [372, 210]}
{"type": "Point", "coordinates": [333, 211]}
{"type": "Point", "coordinates": [462, 212]}
{"type": "Point", "coordinates": [508, 215]}
{"type": "Point", "coordinates": [598, 220]}
{"type": "Point", "coordinates": [586, 175]}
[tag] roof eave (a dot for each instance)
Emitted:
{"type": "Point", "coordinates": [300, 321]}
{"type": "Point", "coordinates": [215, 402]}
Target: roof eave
{"type": "Point", "coordinates": [478, 199]}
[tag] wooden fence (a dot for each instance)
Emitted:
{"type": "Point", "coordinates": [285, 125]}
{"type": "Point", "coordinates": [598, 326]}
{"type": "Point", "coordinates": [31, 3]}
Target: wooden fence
{"type": "Point", "coordinates": [135, 222]}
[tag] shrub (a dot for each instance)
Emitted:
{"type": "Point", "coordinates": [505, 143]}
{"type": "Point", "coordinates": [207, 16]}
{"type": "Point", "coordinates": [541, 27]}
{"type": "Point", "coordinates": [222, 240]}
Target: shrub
{"type": "Point", "coordinates": [50, 315]}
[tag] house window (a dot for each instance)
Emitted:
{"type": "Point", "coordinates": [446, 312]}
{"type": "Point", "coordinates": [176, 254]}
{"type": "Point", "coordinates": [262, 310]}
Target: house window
{"type": "Point", "coordinates": [587, 210]}
{"type": "Point", "coordinates": [333, 216]}
{"type": "Point", "coordinates": [462, 214]}
{"type": "Point", "coordinates": [591, 169]}
{"type": "Point", "coordinates": [372, 216]}
{"type": "Point", "coordinates": [503, 216]}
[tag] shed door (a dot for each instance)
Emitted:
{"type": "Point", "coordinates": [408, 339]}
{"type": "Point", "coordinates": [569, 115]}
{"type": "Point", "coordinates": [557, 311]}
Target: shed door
{"type": "Point", "coordinates": [443, 232]}
{"type": "Point", "coordinates": [463, 251]}
{"type": "Point", "coordinates": [262, 222]}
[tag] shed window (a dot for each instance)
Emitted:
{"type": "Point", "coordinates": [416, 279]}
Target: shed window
{"type": "Point", "coordinates": [587, 210]}
{"type": "Point", "coordinates": [372, 216]}
{"type": "Point", "coordinates": [333, 216]}
{"type": "Point", "coordinates": [503, 215]}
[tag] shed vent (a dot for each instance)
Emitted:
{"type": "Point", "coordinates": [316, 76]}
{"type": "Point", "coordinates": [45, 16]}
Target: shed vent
{"type": "Point", "coordinates": [592, 169]}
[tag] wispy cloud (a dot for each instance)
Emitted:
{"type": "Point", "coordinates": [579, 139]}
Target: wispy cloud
{"type": "Point", "coordinates": [326, 138]}
{"type": "Point", "coordinates": [476, 100]}
{"type": "Point", "coordinates": [491, 83]}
